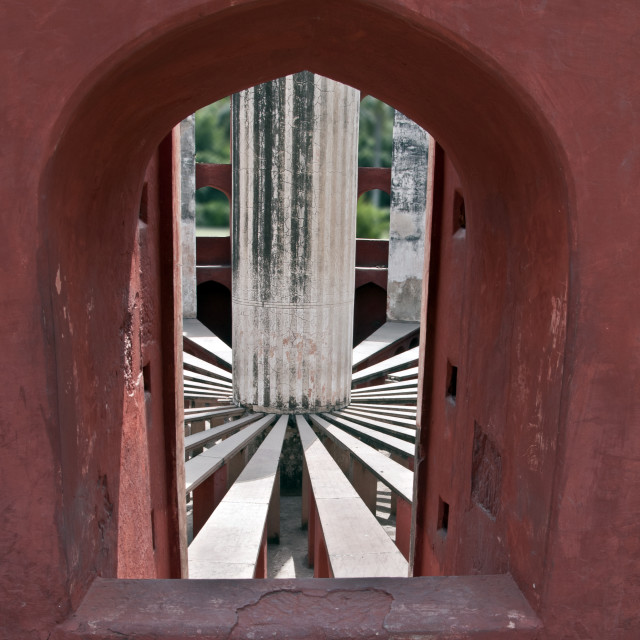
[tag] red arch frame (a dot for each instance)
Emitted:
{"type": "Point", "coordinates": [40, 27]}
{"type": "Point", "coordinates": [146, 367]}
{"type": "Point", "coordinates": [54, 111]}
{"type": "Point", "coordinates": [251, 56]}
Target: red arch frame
{"type": "Point", "coordinates": [511, 166]}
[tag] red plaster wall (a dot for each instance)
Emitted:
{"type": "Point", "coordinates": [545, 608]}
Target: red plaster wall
{"type": "Point", "coordinates": [535, 105]}
{"type": "Point", "coordinates": [507, 343]}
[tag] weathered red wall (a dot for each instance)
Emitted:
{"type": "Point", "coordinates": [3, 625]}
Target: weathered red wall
{"type": "Point", "coordinates": [489, 452]}
{"type": "Point", "coordinates": [535, 105]}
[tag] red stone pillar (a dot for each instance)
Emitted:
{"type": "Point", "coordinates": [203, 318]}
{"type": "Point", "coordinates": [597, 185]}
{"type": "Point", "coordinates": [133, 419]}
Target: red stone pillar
{"type": "Point", "coordinates": [321, 568]}
{"type": "Point", "coordinates": [403, 526]}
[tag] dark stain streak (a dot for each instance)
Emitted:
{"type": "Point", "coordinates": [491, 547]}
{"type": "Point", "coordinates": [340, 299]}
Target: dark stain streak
{"type": "Point", "coordinates": [301, 179]}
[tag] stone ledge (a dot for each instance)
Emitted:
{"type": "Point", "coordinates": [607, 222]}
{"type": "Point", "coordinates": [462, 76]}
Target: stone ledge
{"type": "Point", "coordinates": [460, 607]}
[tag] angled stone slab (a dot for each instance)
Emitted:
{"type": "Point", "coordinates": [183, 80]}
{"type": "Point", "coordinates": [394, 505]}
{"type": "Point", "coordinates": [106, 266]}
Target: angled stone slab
{"type": "Point", "coordinates": [357, 546]}
{"type": "Point", "coordinates": [382, 338]}
{"type": "Point", "coordinates": [395, 363]}
{"type": "Point", "coordinates": [211, 435]}
{"type": "Point", "coordinates": [408, 422]}
{"type": "Point", "coordinates": [199, 468]}
{"type": "Point", "coordinates": [403, 374]}
{"type": "Point", "coordinates": [373, 436]}
{"type": "Point", "coordinates": [206, 386]}
{"type": "Point", "coordinates": [203, 343]}
{"type": "Point", "coordinates": [404, 410]}
{"type": "Point", "coordinates": [398, 478]}
{"type": "Point", "coordinates": [379, 423]}
{"type": "Point", "coordinates": [387, 386]}
{"type": "Point", "coordinates": [229, 544]}
{"type": "Point", "coordinates": [204, 413]}
{"type": "Point", "coordinates": [404, 398]}
{"type": "Point", "coordinates": [198, 365]}
{"type": "Point", "coordinates": [193, 376]}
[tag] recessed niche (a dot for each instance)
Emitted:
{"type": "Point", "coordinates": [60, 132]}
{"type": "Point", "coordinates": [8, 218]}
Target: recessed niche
{"type": "Point", "coordinates": [443, 517]}
{"type": "Point", "coordinates": [452, 382]}
{"type": "Point", "coordinates": [153, 529]}
{"type": "Point", "coordinates": [486, 473]}
{"type": "Point", "coordinates": [143, 213]}
{"type": "Point", "coordinates": [146, 377]}
{"type": "Point", "coordinates": [459, 214]}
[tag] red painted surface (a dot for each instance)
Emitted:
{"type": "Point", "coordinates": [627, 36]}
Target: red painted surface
{"type": "Point", "coordinates": [213, 252]}
{"type": "Point", "coordinates": [207, 496]}
{"type": "Point", "coordinates": [535, 105]}
{"type": "Point", "coordinates": [372, 253]}
{"type": "Point", "coordinates": [403, 526]}
{"type": "Point", "coordinates": [217, 176]}
{"type": "Point", "coordinates": [147, 455]}
{"type": "Point", "coordinates": [321, 565]}
{"type": "Point", "coordinates": [374, 178]}
{"type": "Point", "coordinates": [377, 276]}
{"type": "Point", "coordinates": [369, 310]}
{"type": "Point", "coordinates": [311, 526]}
{"type": "Point", "coordinates": [261, 564]}
{"type": "Point", "coordinates": [219, 275]}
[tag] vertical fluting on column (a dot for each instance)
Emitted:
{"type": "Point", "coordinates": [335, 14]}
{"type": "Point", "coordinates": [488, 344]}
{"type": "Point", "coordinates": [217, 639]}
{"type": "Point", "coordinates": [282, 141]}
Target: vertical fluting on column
{"type": "Point", "coordinates": [295, 143]}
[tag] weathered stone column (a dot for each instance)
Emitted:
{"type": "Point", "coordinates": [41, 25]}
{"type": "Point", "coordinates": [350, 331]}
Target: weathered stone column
{"type": "Point", "coordinates": [408, 218]}
{"type": "Point", "coordinates": [294, 154]}
{"type": "Point", "coordinates": [188, 215]}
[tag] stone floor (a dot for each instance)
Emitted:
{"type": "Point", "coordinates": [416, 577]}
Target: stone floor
{"type": "Point", "coordinates": [288, 559]}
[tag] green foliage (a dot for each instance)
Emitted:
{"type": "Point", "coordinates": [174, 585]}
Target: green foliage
{"type": "Point", "coordinates": [212, 132]}
{"type": "Point", "coordinates": [371, 221]}
{"type": "Point", "coordinates": [212, 208]}
{"type": "Point", "coordinates": [375, 144]}
{"type": "Point", "coordinates": [375, 149]}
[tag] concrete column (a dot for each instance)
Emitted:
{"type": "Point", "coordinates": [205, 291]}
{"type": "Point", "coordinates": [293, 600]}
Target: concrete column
{"type": "Point", "coordinates": [293, 243]}
{"type": "Point", "coordinates": [188, 215]}
{"type": "Point", "coordinates": [408, 219]}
